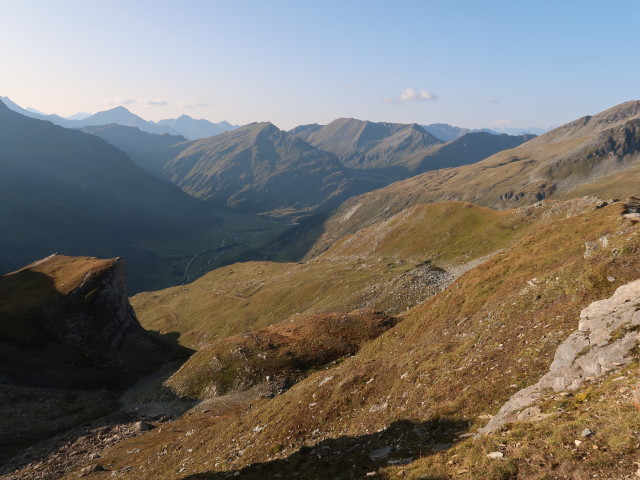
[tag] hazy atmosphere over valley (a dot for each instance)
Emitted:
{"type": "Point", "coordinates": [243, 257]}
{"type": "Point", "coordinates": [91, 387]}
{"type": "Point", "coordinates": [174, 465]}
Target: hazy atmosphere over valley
{"type": "Point", "coordinates": [319, 240]}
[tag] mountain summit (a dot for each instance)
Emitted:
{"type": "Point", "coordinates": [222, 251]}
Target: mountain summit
{"type": "Point", "coordinates": [371, 145]}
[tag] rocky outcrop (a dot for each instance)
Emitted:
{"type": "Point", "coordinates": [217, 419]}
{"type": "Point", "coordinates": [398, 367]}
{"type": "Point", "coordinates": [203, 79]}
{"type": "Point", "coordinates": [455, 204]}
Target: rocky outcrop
{"type": "Point", "coordinates": [96, 316]}
{"type": "Point", "coordinates": [607, 333]}
{"type": "Point", "coordinates": [67, 321]}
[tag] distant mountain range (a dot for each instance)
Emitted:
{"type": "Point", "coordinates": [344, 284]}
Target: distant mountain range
{"type": "Point", "coordinates": [260, 168]}
{"type": "Point", "coordinates": [145, 149]}
{"type": "Point", "coordinates": [446, 132]}
{"type": "Point", "coordinates": [184, 125]}
{"type": "Point", "coordinates": [402, 150]}
{"type": "Point", "coordinates": [194, 129]}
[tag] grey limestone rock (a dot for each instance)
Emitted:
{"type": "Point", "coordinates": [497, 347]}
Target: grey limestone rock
{"type": "Point", "coordinates": [603, 342]}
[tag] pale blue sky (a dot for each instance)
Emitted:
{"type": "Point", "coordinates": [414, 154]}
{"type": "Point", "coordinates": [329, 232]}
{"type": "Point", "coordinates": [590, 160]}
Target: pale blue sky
{"type": "Point", "coordinates": [482, 63]}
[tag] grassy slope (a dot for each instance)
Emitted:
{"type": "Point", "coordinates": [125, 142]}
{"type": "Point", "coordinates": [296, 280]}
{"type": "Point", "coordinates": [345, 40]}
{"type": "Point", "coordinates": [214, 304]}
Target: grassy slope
{"type": "Point", "coordinates": [359, 271]}
{"type": "Point", "coordinates": [281, 353]}
{"type": "Point", "coordinates": [584, 152]}
{"type": "Point", "coordinates": [456, 356]}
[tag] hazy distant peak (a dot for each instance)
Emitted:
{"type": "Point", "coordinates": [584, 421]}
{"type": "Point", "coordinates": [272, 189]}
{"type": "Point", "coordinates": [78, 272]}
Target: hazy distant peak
{"type": "Point", "coordinates": [118, 109]}
{"type": "Point", "coordinates": [79, 116]}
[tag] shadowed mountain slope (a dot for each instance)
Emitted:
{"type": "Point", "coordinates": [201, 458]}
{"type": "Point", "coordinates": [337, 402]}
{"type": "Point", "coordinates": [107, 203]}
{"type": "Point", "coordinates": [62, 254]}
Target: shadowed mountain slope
{"type": "Point", "coordinates": [66, 191]}
{"type": "Point", "coordinates": [142, 147]}
{"type": "Point", "coordinates": [588, 151]}
{"type": "Point", "coordinates": [261, 168]}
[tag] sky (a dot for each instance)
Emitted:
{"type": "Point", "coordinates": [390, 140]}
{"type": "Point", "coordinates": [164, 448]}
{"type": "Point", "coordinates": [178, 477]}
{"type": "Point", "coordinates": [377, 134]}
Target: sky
{"type": "Point", "coordinates": [469, 63]}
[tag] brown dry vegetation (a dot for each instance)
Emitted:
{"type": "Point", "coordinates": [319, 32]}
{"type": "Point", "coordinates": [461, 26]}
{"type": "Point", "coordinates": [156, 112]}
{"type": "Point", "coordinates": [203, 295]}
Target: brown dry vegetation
{"type": "Point", "coordinates": [455, 357]}
{"type": "Point", "coordinates": [390, 266]}
{"type": "Point", "coordinates": [282, 353]}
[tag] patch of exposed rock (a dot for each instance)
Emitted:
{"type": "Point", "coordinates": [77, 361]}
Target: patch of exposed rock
{"type": "Point", "coordinates": [607, 333]}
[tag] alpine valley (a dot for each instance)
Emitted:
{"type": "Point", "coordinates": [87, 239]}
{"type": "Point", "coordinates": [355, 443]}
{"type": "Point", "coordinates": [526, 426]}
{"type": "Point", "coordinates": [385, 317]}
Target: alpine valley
{"type": "Point", "coordinates": [188, 300]}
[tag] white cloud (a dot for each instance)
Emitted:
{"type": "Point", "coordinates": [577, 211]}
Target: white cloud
{"type": "Point", "coordinates": [412, 95]}
{"type": "Point", "coordinates": [119, 101]}
{"type": "Point", "coordinates": [153, 102]}
{"type": "Point", "coordinates": [192, 104]}
{"type": "Point", "coordinates": [490, 101]}
{"type": "Point", "coordinates": [503, 122]}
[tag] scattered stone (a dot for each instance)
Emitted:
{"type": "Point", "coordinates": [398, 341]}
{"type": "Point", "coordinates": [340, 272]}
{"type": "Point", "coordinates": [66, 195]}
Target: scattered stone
{"type": "Point", "coordinates": [632, 205]}
{"type": "Point", "coordinates": [96, 467]}
{"type": "Point", "coordinates": [577, 442]}
{"type": "Point", "coordinates": [400, 461]}
{"type": "Point", "coordinates": [142, 426]}
{"type": "Point", "coordinates": [371, 474]}
{"type": "Point", "coordinates": [632, 217]}
{"type": "Point", "coordinates": [495, 455]}
{"type": "Point", "coordinates": [531, 414]}
{"type": "Point", "coordinates": [586, 433]}
{"type": "Point", "coordinates": [381, 453]}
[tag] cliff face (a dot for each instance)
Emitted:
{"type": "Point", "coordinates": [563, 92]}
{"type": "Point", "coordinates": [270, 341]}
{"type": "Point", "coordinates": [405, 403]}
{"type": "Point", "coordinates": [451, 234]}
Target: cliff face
{"type": "Point", "coordinates": [67, 320]}
{"type": "Point", "coordinates": [96, 316]}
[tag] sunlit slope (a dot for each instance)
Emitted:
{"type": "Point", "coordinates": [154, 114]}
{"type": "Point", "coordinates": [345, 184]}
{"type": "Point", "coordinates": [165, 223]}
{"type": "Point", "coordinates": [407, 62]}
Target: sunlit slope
{"type": "Point", "coordinates": [389, 266]}
{"type": "Point", "coordinates": [564, 161]}
{"type": "Point", "coordinates": [423, 384]}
